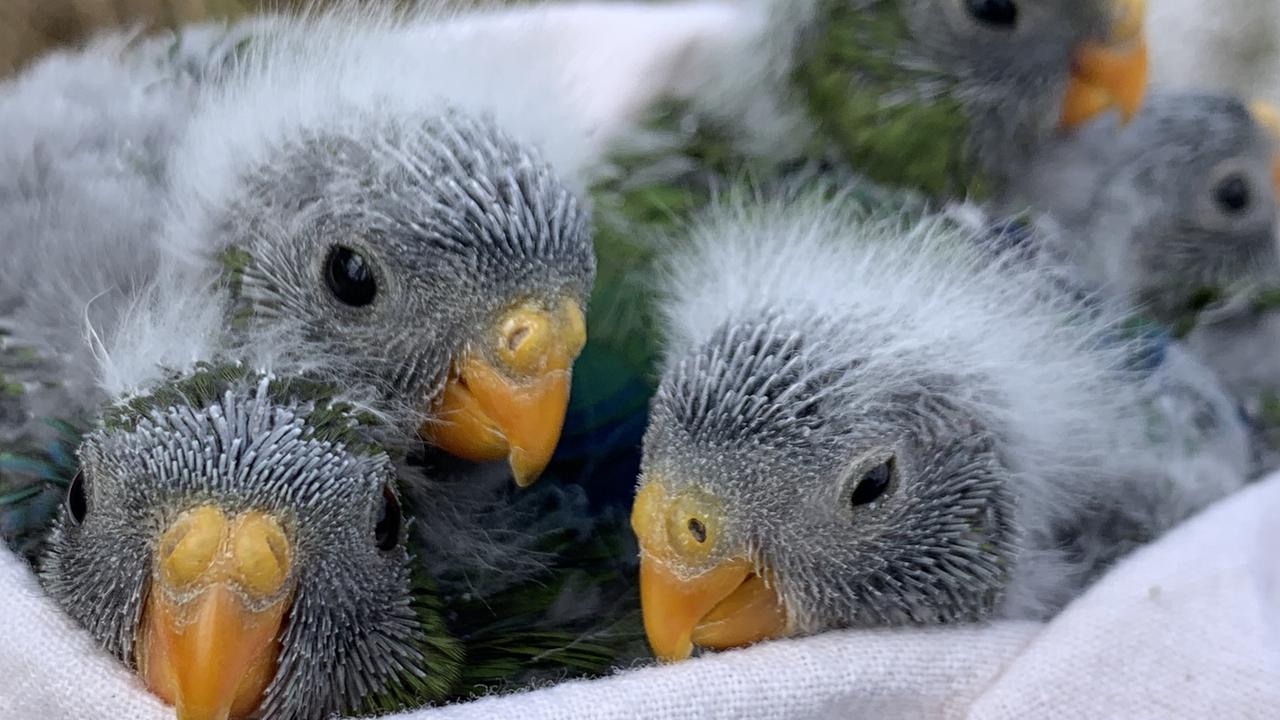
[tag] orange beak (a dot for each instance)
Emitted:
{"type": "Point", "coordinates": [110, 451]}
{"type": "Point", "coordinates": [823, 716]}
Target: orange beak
{"type": "Point", "coordinates": [1268, 116]}
{"type": "Point", "coordinates": [1109, 75]}
{"type": "Point", "coordinates": [513, 408]}
{"type": "Point", "coordinates": [210, 632]}
{"type": "Point", "coordinates": [723, 604]}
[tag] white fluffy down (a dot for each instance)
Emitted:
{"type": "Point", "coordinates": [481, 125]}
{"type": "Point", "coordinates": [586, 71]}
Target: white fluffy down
{"type": "Point", "coordinates": [914, 296]}
{"type": "Point", "coordinates": [85, 135]}
{"type": "Point", "coordinates": [332, 72]}
{"type": "Point", "coordinates": [955, 310]}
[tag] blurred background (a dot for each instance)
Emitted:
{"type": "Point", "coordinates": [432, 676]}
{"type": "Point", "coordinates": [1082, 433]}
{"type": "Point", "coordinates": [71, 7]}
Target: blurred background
{"type": "Point", "coordinates": [31, 27]}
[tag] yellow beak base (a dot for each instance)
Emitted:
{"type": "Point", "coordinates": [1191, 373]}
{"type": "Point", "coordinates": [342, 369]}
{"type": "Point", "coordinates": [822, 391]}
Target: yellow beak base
{"type": "Point", "coordinates": [513, 407]}
{"type": "Point", "coordinates": [1105, 78]}
{"type": "Point", "coordinates": [210, 632]}
{"type": "Point", "coordinates": [725, 605]}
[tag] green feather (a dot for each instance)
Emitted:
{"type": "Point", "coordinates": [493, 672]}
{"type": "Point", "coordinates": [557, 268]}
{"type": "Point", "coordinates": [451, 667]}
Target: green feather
{"type": "Point", "coordinates": [514, 638]}
{"type": "Point", "coordinates": [873, 126]}
{"type": "Point", "coordinates": [329, 419]}
{"type": "Point", "coordinates": [867, 106]}
{"type": "Point", "coordinates": [436, 679]}
{"type": "Point", "coordinates": [32, 484]}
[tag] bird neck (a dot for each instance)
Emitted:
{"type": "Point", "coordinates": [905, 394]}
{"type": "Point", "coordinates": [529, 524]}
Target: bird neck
{"type": "Point", "coordinates": [873, 108]}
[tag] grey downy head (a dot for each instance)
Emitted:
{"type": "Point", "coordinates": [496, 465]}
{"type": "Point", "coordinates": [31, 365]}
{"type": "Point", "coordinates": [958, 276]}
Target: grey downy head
{"type": "Point", "coordinates": [240, 546]}
{"type": "Point", "coordinates": [1189, 211]}
{"type": "Point", "coordinates": [770, 506]}
{"type": "Point", "coordinates": [439, 260]}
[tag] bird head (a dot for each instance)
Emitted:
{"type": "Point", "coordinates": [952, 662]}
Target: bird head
{"type": "Point", "coordinates": [439, 260]}
{"type": "Point", "coordinates": [773, 503]}
{"type": "Point", "coordinates": [931, 92]}
{"type": "Point", "coordinates": [238, 542]}
{"type": "Point", "coordinates": [852, 426]}
{"type": "Point", "coordinates": [1189, 206]}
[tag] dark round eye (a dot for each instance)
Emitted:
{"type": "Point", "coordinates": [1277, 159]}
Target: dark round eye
{"type": "Point", "coordinates": [386, 532]}
{"type": "Point", "coordinates": [1233, 194]}
{"type": "Point", "coordinates": [350, 277]}
{"type": "Point", "coordinates": [873, 484]}
{"type": "Point", "coordinates": [77, 506]}
{"type": "Point", "coordinates": [993, 13]}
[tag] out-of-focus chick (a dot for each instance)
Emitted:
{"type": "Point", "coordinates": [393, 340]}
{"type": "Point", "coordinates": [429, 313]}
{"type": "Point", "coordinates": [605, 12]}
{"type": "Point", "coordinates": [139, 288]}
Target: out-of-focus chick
{"type": "Point", "coordinates": [1173, 212]}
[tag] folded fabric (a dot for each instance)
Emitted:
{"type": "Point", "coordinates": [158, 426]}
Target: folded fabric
{"type": "Point", "coordinates": [1186, 628]}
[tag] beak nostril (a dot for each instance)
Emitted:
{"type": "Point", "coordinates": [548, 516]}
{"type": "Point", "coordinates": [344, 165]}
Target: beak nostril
{"type": "Point", "coordinates": [698, 530]}
{"type": "Point", "coordinates": [517, 337]}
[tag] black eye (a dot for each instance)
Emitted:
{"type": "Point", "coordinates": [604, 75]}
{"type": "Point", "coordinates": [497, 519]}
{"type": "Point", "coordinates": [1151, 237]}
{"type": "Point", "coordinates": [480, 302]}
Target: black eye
{"type": "Point", "coordinates": [994, 13]}
{"type": "Point", "coordinates": [77, 507]}
{"type": "Point", "coordinates": [873, 484]}
{"type": "Point", "coordinates": [1233, 194]}
{"type": "Point", "coordinates": [350, 277]}
{"type": "Point", "coordinates": [387, 530]}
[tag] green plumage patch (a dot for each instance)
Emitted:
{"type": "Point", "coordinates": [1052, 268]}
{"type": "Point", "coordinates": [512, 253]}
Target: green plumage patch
{"type": "Point", "coordinates": [512, 639]}
{"type": "Point", "coordinates": [442, 658]}
{"type": "Point", "coordinates": [33, 482]}
{"type": "Point", "coordinates": [207, 384]}
{"type": "Point", "coordinates": [869, 105]}
{"type": "Point", "coordinates": [651, 191]}
{"type": "Point", "coordinates": [873, 122]}
{"type": "Point", "coordinates": [479, 644]}
{"type": "Point", "coordinates": [235, 262]}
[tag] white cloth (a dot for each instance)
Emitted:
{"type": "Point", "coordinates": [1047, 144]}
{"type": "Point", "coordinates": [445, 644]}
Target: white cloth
{"type": "Point", "coordinates": [1186, 628]}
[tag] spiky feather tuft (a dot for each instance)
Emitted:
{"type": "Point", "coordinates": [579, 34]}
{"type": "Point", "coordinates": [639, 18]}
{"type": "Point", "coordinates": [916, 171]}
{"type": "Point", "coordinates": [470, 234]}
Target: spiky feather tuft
{"type": "Point", "coordinates": [865, 304]}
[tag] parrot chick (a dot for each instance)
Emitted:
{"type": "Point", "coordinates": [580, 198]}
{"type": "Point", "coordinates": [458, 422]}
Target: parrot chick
{"type": "Point", "coordinates": [942, 99]}
{"type": "Point", "coordinates": [944, 96]}
{"type": "Point", "coordinates": [866, 421]}
{"type": "Point", "coordinates": [412, 230]}
{"type": "Point", "coordinates": [238, 540]}
{"type": "Point", "coordinates": [233, 532]}
{"type": "Point", "coordinates": [1170, 214]}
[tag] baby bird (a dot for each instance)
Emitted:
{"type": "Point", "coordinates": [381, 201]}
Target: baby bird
{"type": "Point", "coordinates": [943, 96]}
{"type": "Point", "coordinates": [237, 538]}
{"type": "Point", "coordinates": [1176, 216]}
{"type": "Point", "coordinates": [230, 530]}
{"type": "Point", "coordinates": [1173, 212]}
{"type": "Point", "coordinates": [419, 233]}
{"type": "Point", "coordinates": [865, 420]}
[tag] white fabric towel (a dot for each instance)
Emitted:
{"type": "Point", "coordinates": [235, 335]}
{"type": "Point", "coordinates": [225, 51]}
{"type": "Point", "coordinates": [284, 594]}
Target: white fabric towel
{"type": "Point", "coordinates": [1186, 628]}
